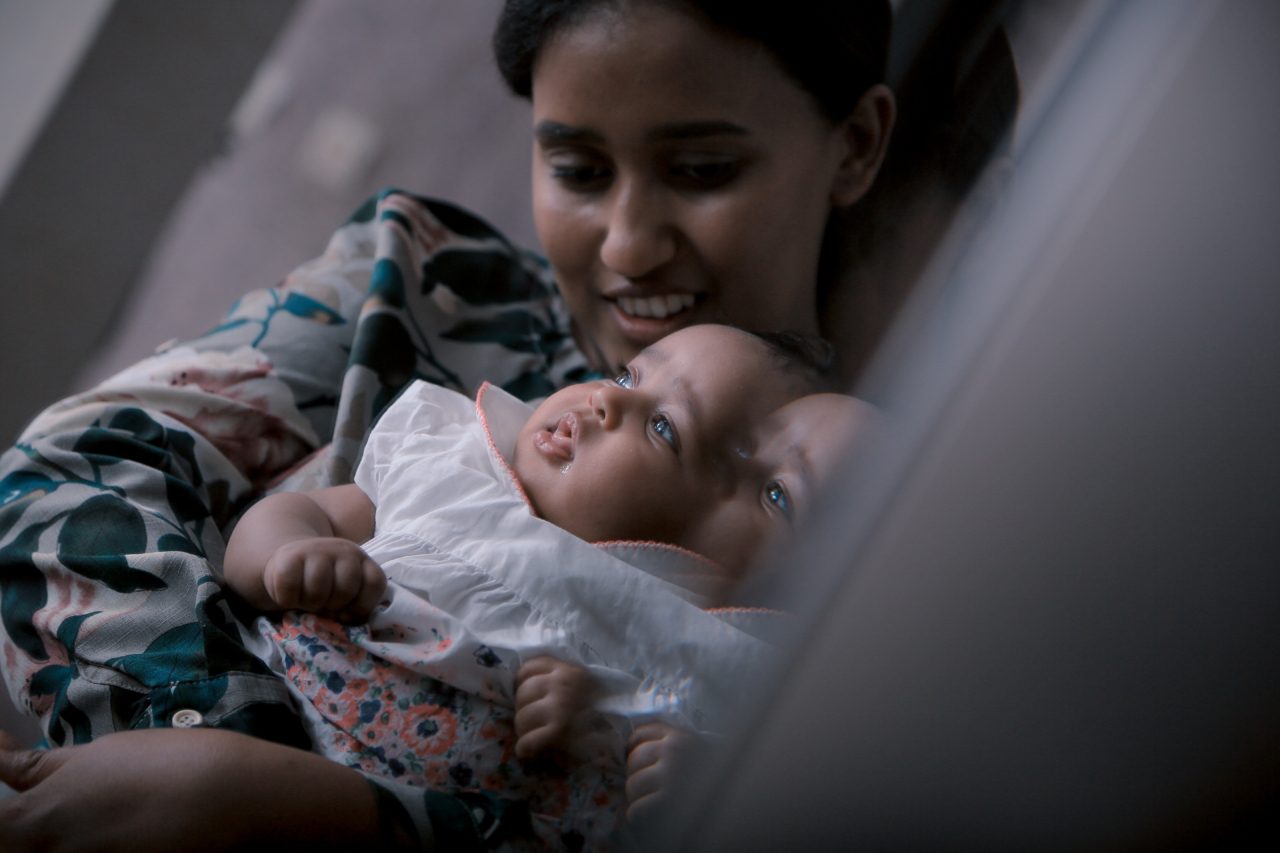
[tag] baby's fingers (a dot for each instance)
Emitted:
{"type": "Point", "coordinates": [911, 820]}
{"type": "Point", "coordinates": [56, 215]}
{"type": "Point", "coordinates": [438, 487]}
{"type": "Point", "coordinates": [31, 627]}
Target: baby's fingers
{"type": "Point", "coordinates": [371, 585]}
{"type": "Point", "coordinates": [283, 579]}
{"type": "Point", "coordinates": [375, 586]}
{"type": "Point", "coordinates": [317, 582]}
{"type": "Point", "coordinates": [643, 755]}
{"type": "Point", "coordinates": [539, 728]}
{"type": "Point", "coordinates": [644, 792]}
{"type": "Point", "coordinates": [536, 741]}
{"type": "Point", "coordinates": [541, 665]}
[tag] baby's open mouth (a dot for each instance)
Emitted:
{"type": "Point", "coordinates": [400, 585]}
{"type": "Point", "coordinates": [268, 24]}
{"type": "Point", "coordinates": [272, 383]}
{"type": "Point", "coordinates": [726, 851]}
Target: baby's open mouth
{"type": "Point", "coordinates": [658, 307]}
{"type": "Point", "coordinates": [558, 442]}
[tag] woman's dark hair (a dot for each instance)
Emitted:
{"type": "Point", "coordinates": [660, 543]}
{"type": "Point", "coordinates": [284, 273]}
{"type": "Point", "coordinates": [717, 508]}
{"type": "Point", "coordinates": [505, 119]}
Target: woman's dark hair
{"type": "Point", "coordinates": [834, 49]}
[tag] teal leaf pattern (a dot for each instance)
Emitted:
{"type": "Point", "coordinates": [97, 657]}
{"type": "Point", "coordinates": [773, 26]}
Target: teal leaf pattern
{"type": "Point", "coordinates": [301, 305]}
{"type": "Point", "coordinates": [517, 330]}
{"type": "Point", "coordinates": [23, 591]}
{"type": "Point", "coordinates": [366, 211]}
{"type": "Point", "coordinates": [54, 680]}
{"type": "Point", "coordinates": [387, 283]}
{"type": "Point", "coordinates": [96, 536]}
{"type": "Point", "coordinates": [464, 223]}
{"type": "Point", "coordinates": [21, 484]}
{"type": "Point", "coordinates": [530, 385]}
{"type": "Point", "coordinates": [110, 446]}
{"type": "Point", "coordinates": [69, 630]}
{"type": "Point", "coordinates": [176, 653]}
{"type": "Point", "coordinates": [490, 278]}
{"type": "Point", "coordinates": [178, 542]}
{"type": "Point", "coordinates": [383, 345]}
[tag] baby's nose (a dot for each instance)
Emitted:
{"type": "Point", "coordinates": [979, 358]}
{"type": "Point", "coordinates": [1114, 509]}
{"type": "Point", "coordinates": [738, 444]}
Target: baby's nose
{"type": "Point", "coordinates": [608, 403]}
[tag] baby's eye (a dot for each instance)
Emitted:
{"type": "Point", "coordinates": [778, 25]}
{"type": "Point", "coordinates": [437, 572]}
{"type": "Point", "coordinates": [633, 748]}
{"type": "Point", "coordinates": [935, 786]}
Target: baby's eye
{"type": "Point", "coordinates": [776, 495]}
{"type": "Point", "coordinates": [665, 430]}
{"type": "Point", "coordinates": [625, 379]}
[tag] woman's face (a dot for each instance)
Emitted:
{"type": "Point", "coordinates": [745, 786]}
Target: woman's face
{"type": "Point", "coordinates": [679, 177]}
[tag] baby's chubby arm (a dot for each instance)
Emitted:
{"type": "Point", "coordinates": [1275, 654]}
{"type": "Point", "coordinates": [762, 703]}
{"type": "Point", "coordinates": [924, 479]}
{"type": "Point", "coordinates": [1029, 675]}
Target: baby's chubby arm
{"type": "Point", "coordinates": [298, 550]}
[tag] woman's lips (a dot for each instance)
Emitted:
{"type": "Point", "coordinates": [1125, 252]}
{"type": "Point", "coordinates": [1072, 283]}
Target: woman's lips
{"type": "Point", "coordinates": [658, 307]}
{"type": "Point", "coordinates": [645, 319]}
{"type": "Point", "coordinates": [558, 443]}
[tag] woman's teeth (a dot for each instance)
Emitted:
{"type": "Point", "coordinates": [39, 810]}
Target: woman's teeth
{"type": "Point", "coordinates": [657, 307]}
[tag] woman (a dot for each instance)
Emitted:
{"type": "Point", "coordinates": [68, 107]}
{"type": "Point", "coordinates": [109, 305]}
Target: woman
{"type": "Point", "coordinates": [687, 158]}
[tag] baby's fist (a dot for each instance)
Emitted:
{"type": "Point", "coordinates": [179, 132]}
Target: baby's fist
{"type": "Point", "coordinates": [553, 709]}
{"type": "Point", "coordinates": [329, 575]}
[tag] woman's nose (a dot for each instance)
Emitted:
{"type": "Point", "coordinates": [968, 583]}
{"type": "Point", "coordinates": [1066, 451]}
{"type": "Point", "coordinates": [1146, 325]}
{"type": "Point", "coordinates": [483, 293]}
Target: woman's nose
{"type": "Point", "coordinates": [641, 237]}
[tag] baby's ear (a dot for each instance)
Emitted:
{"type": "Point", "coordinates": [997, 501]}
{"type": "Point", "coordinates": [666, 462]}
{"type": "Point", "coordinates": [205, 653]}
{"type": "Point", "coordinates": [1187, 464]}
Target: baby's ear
{"type": "Point", "coordinates": [866, 135]}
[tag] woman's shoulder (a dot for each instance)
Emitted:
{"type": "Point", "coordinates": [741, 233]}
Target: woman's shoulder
{"type": "Point", "coordinates": [454, 246]}
{"type": "Point", "coordinates": [450, 299]}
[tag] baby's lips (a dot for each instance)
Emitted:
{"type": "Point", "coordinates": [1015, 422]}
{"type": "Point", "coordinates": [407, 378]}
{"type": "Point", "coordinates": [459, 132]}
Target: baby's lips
{"type": "Point", "coordinates": [558, 444]}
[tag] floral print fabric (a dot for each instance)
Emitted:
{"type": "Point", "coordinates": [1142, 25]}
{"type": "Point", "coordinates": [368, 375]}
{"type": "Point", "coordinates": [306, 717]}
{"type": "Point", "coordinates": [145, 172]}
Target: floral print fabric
{"type": "Point", "coordinates": [115, 503]}
{"type": "Point", "coordinates": [381, 718]}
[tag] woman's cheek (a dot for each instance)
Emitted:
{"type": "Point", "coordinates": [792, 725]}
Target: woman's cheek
{"type": "Point", "coordinates": [566, 232]}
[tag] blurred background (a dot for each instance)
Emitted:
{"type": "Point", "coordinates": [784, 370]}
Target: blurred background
{"type": "Point", "coordinates": [158, 160]}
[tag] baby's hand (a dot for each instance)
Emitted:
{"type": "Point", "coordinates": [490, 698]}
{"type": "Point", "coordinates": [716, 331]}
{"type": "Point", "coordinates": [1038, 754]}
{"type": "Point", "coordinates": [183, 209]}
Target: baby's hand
{"type": "Point", "coordinates": [330, 576]}
{"type": "Point", "coordinates": [554, 713]}
{"type": "Point", "coordinates": [655, 754]}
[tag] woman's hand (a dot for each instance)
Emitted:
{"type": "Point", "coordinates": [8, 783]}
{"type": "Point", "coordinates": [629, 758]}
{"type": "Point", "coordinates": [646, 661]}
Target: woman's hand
{"type": "Point", "coordinates": [180, 789]}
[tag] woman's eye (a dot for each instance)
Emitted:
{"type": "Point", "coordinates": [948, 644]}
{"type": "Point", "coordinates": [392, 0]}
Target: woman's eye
{"type": "Point", "coordinates": [579, 177]}
{"type": "Point", "coordinates": [665, 430]}
{"type": "Point", "coordinates": [706, 176]}
{"type": "Point", "coordinates": [625, 379]}
{"type": "Point", "coordinates": [776, 495]}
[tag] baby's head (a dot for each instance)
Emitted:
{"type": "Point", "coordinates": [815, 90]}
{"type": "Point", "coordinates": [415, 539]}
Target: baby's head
{"type": "Point", "coordinates": [709, 440]}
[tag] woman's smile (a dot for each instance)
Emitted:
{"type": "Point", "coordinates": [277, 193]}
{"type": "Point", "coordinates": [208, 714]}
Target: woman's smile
{"type": "Point", "coordinates": [658, 307]}
{"type": "Point", "coordinates": [642, 320]}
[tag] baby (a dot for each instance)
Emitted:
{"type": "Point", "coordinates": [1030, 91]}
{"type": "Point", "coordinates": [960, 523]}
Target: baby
{"type": "Point", "coordinates": [514, 592]}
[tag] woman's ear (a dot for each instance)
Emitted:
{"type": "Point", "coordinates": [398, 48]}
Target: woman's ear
{"type": "Point", "coordinates": [866, 136]}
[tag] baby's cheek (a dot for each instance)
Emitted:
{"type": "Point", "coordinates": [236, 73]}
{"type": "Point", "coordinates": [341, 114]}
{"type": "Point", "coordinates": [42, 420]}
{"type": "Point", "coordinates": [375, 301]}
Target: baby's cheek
{"type": "Point", "coordinates": [730, 536]}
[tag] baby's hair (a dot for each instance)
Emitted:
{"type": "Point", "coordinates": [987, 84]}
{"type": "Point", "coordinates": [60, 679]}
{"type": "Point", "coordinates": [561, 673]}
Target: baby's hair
{"type": "Point", "coordinates": [810, 357]}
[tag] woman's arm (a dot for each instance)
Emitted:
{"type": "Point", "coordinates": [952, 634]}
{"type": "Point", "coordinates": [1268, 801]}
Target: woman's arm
{"type": "Point", "coordinates": [298, 550]}
{"type": "Point", "coordinates": [175, 789]}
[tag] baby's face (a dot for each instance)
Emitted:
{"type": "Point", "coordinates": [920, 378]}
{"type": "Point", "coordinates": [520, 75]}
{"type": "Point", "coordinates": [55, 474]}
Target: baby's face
{"type": "Point", "coordinates": [652, 454]}
{"type": "Point", "coordinates": [670, 451]}
{"type": "Point", "coordinates": [796, 447]}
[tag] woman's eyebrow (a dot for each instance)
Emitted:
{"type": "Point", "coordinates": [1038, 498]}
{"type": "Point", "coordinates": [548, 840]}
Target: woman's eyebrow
{"type": "Point", "coordinates": [553, 132]}
{"type": "Point", "coordinates": [678, 131]}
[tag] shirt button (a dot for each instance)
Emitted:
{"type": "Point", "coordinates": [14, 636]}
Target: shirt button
{"type": "Point", "coordinates": [186, 719]}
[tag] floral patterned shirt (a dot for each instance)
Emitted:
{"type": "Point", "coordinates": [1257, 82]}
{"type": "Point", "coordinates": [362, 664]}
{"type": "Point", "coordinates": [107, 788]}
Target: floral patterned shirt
{"type": "Point", "coordinates": [115, 503]}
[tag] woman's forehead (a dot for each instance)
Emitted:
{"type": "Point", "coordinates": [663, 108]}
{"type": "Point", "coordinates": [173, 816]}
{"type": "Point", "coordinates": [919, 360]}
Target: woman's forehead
{"type": "Point", "coordinates": [663, 56]}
